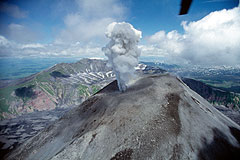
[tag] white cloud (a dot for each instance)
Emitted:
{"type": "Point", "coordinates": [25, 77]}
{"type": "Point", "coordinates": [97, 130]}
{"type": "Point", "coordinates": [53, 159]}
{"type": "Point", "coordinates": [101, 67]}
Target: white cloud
{"type": "Point", "coordinates": [35, 45]}
{"type": "Point", "coordinates": [82, 35]}
{"type": "Point", "coordinates": [170, 42]}
{"type": "Point", "coordinates": [4, 41]}
{"type": "Point", "coordinates": [90, 21]}
{"type": "Point", "coordinates": [12, 10]}
{"type": "Point", "coordinates": [80, 29]}
{"type": "Point", "coordinates": [152, 50]}
{"type": "Point", "coordinates": [213, 40]}
{"type": "Point", "coordinates": [20, 33]}
{"type": "Point", "coordinates": [11, 48]}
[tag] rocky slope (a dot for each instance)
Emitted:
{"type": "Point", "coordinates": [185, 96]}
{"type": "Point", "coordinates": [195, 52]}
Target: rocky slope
{"type": "Point", "coordinates": [214, 95]}
{"type": "Point", "coordinates": [218, 84]}
{"type": "Point", "coordinates": [158, 117]}
{"type": "Point", "coordinates": [15, 131]}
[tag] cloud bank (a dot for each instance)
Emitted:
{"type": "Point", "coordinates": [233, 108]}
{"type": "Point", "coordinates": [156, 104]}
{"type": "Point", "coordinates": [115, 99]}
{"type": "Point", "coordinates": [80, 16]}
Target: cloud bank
{"type": "Point", "coordinates": [213, 40]}
{"type": "Point", "coordinates": [12, 49]}
{"type": "Point", "coordinates": [82, 34]}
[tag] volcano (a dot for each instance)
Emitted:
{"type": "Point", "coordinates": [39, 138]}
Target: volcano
{"type": "Point", "coordinates": [158, 117]}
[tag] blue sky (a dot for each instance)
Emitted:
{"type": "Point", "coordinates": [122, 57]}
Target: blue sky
{"type": "Point", "coordinates": [76, 27]}
{"type": "Point", "coordinates": [45, 17]}
{"type": "Point", "coordinates": [155, 15]}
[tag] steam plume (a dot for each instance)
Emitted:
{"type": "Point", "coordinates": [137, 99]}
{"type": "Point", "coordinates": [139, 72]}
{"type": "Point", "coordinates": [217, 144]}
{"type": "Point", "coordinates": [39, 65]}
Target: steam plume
{"type": "Point", "coordinates": [122, 51]}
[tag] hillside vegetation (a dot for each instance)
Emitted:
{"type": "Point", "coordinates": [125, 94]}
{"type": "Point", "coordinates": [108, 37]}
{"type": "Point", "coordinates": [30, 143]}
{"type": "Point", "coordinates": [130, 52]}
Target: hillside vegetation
{"type": "Point", "coordinates": [63, 85]}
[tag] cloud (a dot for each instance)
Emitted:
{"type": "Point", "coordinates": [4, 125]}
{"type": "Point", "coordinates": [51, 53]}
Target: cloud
{"type": "Point", "coordinates": [34, 45]}
{"type": "Point", "coordinates": [80, 29]}
{"type": "Point", "coordinates": [82, 35]}
{"type": "Point", "coordinates": [6, 47]}
{"type": "Point", "coordinates": [4, 41]}
{"type": "Point", "coordinates": [213, 40]}
{"type": "Point", "coordinates": [12, 10]}
{"type": "Point", "coordinates": [90, 21]}
{"type": "Point", "coordinates": [20, 33]}
{"type": "Point", "coordinates": [10, 48]}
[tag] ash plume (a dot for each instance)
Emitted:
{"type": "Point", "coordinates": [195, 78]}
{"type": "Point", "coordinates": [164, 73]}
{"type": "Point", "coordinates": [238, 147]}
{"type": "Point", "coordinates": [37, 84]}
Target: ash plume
{"type": "Point", "coordinates": [122, 52]}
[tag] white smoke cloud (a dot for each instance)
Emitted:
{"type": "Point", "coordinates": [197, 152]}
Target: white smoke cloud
{"type": "Point", "coordinates": [122, 51]}
{"type": "Point", "coordinates": [213, 40]}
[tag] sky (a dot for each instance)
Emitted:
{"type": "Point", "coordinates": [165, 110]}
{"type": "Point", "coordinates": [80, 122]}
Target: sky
{"type": "Point", "coordinates": [208, 35]}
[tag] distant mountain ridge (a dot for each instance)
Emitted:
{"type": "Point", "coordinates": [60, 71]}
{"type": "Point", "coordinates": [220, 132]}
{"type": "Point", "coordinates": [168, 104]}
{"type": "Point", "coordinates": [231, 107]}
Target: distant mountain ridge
{"type": "Point", "coordinates": [69, 84]}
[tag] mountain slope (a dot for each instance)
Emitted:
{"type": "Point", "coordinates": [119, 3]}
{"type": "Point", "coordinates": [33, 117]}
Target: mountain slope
{"type": "Point", "coordinates": [63, 85]}
{"type": "Point", "coordinates": [158, 117]}
{"type": "Point", "coordinates": [69, 84]}
{"type": "Point", "coordinates": [214, 95]}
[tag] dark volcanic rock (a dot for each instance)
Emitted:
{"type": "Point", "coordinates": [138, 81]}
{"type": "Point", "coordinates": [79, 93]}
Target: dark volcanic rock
{"type": "Point", "coordinates": [25, 92]}
{"type": "Point", "coordinates": [158, 117]}
{"type": "Point", "coordinates": [57, 74]}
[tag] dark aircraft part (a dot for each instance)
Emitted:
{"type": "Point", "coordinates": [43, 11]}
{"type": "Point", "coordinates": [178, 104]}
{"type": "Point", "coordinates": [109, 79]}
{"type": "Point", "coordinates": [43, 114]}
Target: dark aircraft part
{"type": "Point", "coordinates": [185, 5]}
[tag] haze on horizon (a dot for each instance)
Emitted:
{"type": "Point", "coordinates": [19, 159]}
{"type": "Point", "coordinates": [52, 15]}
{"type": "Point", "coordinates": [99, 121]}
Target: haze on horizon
{"type": "Point", "coordinates": [208, 35]}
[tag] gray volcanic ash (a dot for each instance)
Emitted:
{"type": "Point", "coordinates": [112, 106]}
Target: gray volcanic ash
{"type": "Point", "coordinates": [158, 117]}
